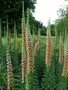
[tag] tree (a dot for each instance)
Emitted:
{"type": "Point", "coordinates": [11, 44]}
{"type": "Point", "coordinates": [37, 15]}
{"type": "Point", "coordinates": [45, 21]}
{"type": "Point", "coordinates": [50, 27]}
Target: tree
{"type": "Point", "coordinates": [62, 21]}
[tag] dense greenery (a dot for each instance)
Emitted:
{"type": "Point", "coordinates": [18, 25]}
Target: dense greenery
{"type": "Point", "coordinates": [42, 78]}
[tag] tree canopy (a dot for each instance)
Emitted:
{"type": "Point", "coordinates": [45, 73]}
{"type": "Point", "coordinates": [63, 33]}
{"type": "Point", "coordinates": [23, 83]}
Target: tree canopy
{"type": "Point", "coordinates": [62, 22]}
{"type": "Point", "coordinates": [13, 10]}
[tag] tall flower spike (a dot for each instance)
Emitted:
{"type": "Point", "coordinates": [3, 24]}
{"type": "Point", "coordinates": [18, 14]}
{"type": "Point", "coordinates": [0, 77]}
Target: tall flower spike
{"type": "Point", "coordinates": [23, 27]}
{"type": "Point", "coordinates": [24, 54]}
{"type": "Point", "coordinates": [30, 57]}
{"type": "Point", "coordinates": [38, 43]}
{"type": "Point", "coordinates": [36, 48]}
{"type": "Point", "coordinates": [39, 37]}
{"type": "Point", "coordinates": [48, 47]}
{"type": "Point", "coordinates": [9, 64]}
{"type": "Point", "coordinates": [65, 67]}
{"type": "Point", "coordinates": [60, 50]}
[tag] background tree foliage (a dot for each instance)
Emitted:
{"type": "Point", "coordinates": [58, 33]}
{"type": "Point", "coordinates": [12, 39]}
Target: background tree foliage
{"type": "Point", "coordinates": [13, 9]}
{"type": "Point", "coordinates": [62, 21]}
